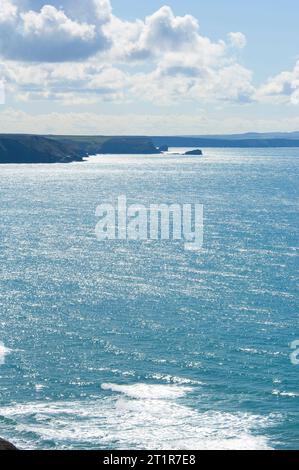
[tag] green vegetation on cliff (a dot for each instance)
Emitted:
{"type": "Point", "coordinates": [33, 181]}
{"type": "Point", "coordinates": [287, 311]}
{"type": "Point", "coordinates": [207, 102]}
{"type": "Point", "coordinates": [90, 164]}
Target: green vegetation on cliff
{"type": "Point", "coordinates": [93, 145]}
{"type": "Point", "coordinates": [34, 149]}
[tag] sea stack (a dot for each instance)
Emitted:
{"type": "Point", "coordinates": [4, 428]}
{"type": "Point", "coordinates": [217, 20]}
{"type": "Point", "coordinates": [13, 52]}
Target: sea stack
{"type": "Point", "coordinates": [194, 152]}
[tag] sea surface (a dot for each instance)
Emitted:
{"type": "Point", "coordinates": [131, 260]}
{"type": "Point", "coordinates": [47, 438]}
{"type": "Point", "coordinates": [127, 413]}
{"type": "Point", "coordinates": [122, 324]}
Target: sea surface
{"type": "Point", "coordinates": [145, 345]}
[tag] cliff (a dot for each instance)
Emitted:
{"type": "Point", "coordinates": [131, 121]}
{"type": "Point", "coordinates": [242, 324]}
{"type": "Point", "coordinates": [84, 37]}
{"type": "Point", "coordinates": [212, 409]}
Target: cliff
{"type": "Point", "coordinates": [5, 445]}
{"type": "Point", "coordinates": [35, 149]}
{"type": "Point", "coordinates": [64, 149]}
{"type": "Point", "coordinates": [93, 145]}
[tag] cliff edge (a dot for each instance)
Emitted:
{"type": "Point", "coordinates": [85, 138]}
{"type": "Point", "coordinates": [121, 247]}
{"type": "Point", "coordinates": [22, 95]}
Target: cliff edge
{"type": "Point", "coordinates": [5, 445]}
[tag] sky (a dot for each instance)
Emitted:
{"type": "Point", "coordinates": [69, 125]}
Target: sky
{"type": "Point", "coordinates": [149, 67]}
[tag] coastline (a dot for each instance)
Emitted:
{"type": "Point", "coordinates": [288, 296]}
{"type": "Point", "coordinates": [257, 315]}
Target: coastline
{"type": "Point", "coordinates": [22, 148]}
{"type": "Point", "coordinates": [31, 148]}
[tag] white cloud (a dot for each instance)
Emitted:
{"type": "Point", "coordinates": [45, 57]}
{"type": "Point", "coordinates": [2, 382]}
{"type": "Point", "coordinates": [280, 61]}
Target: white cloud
{"type": "Point", "coordinates": [237, 40]}
{"type": "Point", "coordinates": [163, 32]}
{"type": "Point", "coordinates": [85, 10]}
{"type": "Point", "coordinates": [50, 20]}
{"type": "Point", "coordinates": [8, 11]}
{"type": "Point", "coordinates": [93, 47]}
{"type": "Point", "coordinates": [159, 34]}
{"type": "Point", "coordinates": [197, 122]}
{"type": "Point", "coordinates": [176, 84]}
{"type": "Point", "coordinates": [49, 35]}
{"type": "Point", "coordinates": [66, 52]}
{"type": "Point", "coordinates": [67, 83]}
{"type": "Point", "coordinates": [283, 88]}
{"type": "Point", "coordinates": [185, 64]}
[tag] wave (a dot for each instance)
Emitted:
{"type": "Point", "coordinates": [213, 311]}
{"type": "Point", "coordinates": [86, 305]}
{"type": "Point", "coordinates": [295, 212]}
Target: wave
{"type": "Point", "coordinates": [137, 416]}
{"type": "Point", "coordinates": [39, 387]}
{"type": "Point", "coordinates": [150, 392]}
{"type": "Point", "coordinates": [260, 351]}
{"type": "Point", "coordinates": [285, 394]}
{"type": "Point", "coordinates": [173, 379]}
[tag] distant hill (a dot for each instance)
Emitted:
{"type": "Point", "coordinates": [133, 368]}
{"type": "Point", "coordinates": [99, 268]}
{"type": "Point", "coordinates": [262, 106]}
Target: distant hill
{"type": "Point", "coordinates": [250, 135]}
{"type": "Point", "coordinates": [251, 140]}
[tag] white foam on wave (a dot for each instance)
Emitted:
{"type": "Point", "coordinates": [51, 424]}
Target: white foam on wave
{"type": "Point", "coordinates": [285, 394]}
{"type": "Point", "coordinates": [39, 387]}
{"type": "Point", "coordinates": [140, 416]}
{"type": "Point", "coordinates": [173, 379]}
{"type": "Point", "coordinates": [260, 351]}
{"type": "Point", "coordinates": [149, 392]}
{"type": "Point", "coordinates": [4, 351]}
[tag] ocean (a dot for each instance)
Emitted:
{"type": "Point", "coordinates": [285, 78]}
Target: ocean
{"type": "Point", "coordinates": [143, 344]}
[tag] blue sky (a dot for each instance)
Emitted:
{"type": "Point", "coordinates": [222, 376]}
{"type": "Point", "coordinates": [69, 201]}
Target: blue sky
{"type": "Point", "coordinates": [148, 67]}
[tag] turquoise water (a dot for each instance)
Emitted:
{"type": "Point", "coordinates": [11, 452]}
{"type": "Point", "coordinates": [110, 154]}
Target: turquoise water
{"type": "Point", "coordinates": [144, 344]}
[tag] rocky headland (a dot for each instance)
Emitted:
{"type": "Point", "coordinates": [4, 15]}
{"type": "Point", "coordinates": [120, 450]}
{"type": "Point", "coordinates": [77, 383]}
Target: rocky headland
{"type": "Point", "coordinates": [21, 148]}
